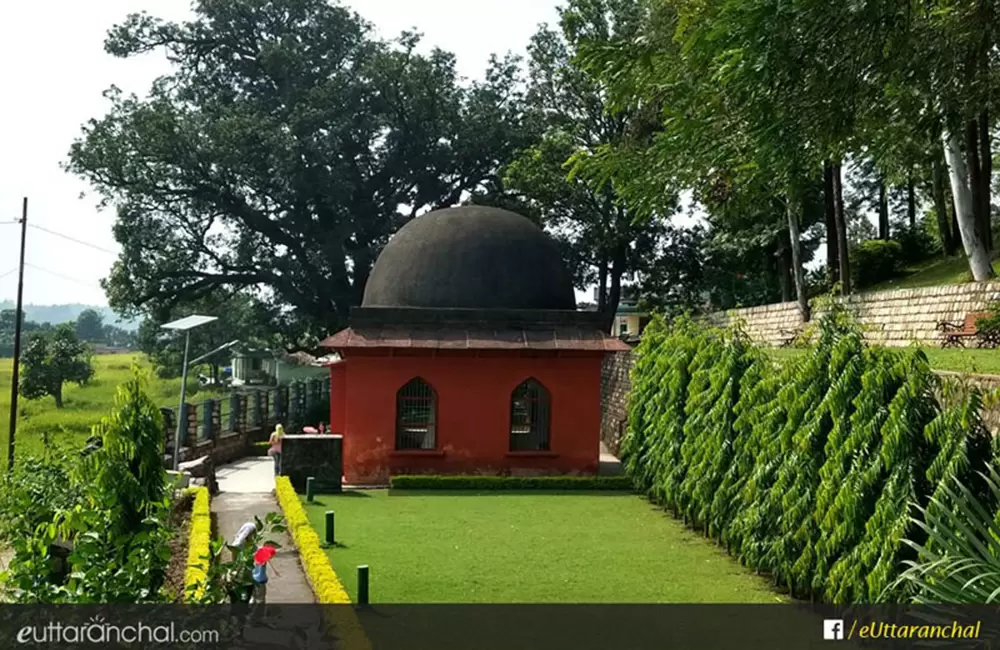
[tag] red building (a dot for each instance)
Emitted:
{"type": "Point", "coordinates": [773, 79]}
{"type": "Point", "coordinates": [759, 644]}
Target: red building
{"type": "Point", "coordinates": [468, 356]}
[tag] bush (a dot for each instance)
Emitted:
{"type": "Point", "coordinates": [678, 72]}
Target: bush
{"type": "Point", "coordinates": [916, 243]}
{"type": "Point", "coordinates": [38, 489]}
{"type": "Point", "coordinates": [807, 473]}
{"type": "Point", "coordinates": [876, 261]}
{"type": "Point", "coordinates": [510, 483]}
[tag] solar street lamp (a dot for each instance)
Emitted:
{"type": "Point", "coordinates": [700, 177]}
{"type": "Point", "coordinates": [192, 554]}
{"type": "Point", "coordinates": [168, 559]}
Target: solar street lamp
{"type": "Point", "coordinates": [184, 325]}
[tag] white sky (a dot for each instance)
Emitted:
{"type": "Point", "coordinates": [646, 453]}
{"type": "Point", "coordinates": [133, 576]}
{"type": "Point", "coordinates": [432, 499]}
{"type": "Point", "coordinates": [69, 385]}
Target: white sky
{"type": "Point", "coordinates": [55, 70]}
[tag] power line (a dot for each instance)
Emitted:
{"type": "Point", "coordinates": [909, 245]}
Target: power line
{"type": "Point", "coordinates": [64, 277]}
{"type": "Point", "coordinates": [6, 273]}
{"type": "Point", "coordinates": [72, 239]}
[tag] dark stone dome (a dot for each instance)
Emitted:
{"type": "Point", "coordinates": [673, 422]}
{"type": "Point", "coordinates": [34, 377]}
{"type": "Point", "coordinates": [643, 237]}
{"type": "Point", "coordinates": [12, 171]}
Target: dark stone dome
{"type": "Point", "coordinates": [470, 257]}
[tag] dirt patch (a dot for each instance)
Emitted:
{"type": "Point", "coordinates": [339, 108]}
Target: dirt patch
{"type": "Point", "coordinates": [180, 524]}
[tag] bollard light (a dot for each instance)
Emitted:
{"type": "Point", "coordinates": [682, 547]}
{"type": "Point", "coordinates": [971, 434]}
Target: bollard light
{"type": "Point", "coordinates": [363, 585]}
{"type": "Point", "coordinates": [330, 537]}
{"type": "Point", "coordinates": [309, 489]}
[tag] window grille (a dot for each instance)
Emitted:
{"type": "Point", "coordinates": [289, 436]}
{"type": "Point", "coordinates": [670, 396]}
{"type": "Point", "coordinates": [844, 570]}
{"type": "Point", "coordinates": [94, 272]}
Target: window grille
{"type": "Point", "coordinates": [416, 411]}
{"type": "Point", "coordinates": [529, 417]}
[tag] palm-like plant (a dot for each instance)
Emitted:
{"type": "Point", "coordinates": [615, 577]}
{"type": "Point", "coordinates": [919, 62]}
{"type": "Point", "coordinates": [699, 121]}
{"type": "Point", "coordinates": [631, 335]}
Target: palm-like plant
{"type": "Point", "coordinates": [959, 563]}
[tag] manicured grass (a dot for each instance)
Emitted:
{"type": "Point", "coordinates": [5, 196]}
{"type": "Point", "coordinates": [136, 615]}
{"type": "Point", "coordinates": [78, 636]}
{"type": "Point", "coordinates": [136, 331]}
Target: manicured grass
{"type": "Point", "coordinates": [540, 547]}
{"type": "Point", "coordinates": [83, 406]}
{"type": "Point", "coordinates": [971, 360]}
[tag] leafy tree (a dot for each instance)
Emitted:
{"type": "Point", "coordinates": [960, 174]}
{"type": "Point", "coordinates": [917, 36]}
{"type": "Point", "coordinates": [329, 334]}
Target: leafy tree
{"type": "Point", "coordinates": [284, 149]}
{"type": "Point", "coordinates": [52, 359]}
{"type": "Point", "coordinates": [240, 318]}
{"type": "Point", "coordinates": [610, 240]}
{"type": "Point", "coordinates": [90, 326]}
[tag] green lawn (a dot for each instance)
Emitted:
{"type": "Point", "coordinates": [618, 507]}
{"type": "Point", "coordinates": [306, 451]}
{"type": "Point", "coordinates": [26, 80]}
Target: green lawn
{"type": "Point", "coordinates": [971, 360]}
{"type": "Point", "coordinates": [459, 547]}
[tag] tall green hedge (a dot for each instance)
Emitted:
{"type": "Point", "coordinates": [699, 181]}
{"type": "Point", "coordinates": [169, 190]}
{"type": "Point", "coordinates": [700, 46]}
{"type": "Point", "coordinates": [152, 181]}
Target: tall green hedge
{"type": "Point", "coordinates": [807, 471]}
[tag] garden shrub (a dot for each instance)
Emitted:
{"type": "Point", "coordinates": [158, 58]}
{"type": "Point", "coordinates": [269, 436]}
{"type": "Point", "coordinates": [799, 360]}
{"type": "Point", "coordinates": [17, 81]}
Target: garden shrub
{"type": "Point", "coordinates": [916, 243]}
{"type": "Point", "coordinates": [876, 261]}
{"type": "Point", "coordinates": [39, 487]}
{"type": "Point", "coordinates": [805, 471]}
{"type": "Point", "coordinates": [432, 482]}
{"type": "Point", "coordinates": [117, 527]}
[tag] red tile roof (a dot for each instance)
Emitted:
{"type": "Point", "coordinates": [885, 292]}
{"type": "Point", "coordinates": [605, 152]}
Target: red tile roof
{"type": "Point", "coordinates": [475, 339]}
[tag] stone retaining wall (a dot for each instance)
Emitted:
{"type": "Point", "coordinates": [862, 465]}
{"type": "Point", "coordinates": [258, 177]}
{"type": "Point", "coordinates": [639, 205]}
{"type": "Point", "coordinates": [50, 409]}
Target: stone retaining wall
{"type": "Point", "coordinates": [615, 385]}
{"type": "Point", "coordinates": [893, 318]}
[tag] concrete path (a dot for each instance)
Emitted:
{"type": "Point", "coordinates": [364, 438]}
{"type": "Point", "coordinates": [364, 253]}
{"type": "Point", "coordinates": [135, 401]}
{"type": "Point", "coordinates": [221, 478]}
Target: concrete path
{"type": "Point", "coordinates": [609, 465]}
{"type": "Point", "coordinates": [245, 491]}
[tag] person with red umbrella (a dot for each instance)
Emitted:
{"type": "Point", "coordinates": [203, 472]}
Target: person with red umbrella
{"type": "Point", "coordinates": [261, 558]}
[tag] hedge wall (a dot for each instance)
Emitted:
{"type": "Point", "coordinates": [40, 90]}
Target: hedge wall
{"type": "Point", "coordinates": [491, 483]}
{"type": "Point", "coordinates": [807, 471]}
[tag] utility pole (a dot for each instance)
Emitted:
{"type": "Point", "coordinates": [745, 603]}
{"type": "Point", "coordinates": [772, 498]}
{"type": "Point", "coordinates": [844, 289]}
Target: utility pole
{"type": "Point", "coordinates": [19, 317]}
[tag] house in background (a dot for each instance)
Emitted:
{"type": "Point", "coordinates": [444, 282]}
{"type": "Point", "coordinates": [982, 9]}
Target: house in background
{"type": "Point", "coordinates": [629, 320]}
{"type": "Point", "coordinates": [273, 367]}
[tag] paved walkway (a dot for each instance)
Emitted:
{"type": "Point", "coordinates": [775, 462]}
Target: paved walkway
{"type": "Point", "coordinates": [609, 465]}
{"type": "Point", "coordinates": [246, 490]}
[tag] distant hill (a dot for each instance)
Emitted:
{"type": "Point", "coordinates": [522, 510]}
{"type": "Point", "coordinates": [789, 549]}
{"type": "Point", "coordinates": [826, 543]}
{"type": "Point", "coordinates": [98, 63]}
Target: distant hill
{"type": "Point", "coordinates": [57, 314]}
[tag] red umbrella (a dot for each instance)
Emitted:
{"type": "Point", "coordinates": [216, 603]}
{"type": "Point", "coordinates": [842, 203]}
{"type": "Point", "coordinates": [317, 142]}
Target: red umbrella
{"type": "Point", "coordinates": [264, 554]}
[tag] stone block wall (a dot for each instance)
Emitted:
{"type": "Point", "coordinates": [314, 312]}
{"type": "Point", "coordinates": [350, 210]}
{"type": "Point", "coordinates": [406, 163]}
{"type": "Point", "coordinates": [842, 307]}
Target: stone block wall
{"type": "Point", "coordinates": [614, 393]}
{"type": "Point", "coordinates": [893, 318]}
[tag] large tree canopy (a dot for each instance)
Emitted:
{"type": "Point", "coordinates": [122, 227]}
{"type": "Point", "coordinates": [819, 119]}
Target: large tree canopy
{"type": "Point", "coordinates": [285, 148]}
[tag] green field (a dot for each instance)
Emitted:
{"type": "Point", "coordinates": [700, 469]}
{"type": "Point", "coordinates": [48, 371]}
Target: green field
{"type": "Point", "coordinates": [459, 547]}
{"type": "Point", "coordinates": [971, 360]}
{"type": "Point", "coordinates": [83, 407]}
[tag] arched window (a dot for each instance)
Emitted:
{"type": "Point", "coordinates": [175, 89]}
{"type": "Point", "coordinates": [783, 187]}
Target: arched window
{"type": "Point", "coordinates": [416, 411]}
{"type": "Point", "coordinates": [529, 417]}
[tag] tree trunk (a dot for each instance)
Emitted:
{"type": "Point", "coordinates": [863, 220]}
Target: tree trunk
{"type": "Point", "coordinates": [57, 394]}
{"type": "Point", "coordinates": [986, 177]}
{"type": "Point", "coordinates": [975, 180]}
{"type": "Point", "coordinates": [784, 269]}
{"type": "Point", "coordinates": [883, 211]}
{"type": "Point", "coordinates": [841, 227]}
{"type": "Point", "coordinates": [602, 283]}
{"type": "Point", "coordinates": [975, 250]}
{"type": "Point", "coordinates": [832, 265]}
{"type": "Point", "coordinates": [941, 208]}
{"type": "Point", "coordinates": [911, 205]}
{"type": "Point", "coordinates": [793, 208]}
{"type": "Point", "coordinates": [615, 292]}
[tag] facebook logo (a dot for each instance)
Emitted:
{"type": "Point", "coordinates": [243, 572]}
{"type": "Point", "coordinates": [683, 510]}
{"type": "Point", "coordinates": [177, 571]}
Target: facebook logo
{"type": "Point", "coordinates": [833, 629]}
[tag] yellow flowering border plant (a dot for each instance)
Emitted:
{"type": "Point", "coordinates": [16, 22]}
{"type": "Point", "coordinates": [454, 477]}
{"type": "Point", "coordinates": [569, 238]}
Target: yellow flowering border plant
{"type": "Point", "coordinates": [323, 579]}
{"type": "Point", "coordinates": [199, 537]}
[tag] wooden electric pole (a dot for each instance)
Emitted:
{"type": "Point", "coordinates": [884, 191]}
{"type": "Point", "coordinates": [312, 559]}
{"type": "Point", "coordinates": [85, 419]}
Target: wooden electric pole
{"type": "Point", "coordinates": [19, 317]}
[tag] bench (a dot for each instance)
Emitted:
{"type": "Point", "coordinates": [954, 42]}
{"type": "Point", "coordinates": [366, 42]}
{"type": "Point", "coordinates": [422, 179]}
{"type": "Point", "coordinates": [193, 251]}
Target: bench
{"type": "Point", "coordinates": [954, 335]}
{"type": "Point", "coordinates": [788, 337]}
